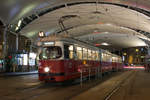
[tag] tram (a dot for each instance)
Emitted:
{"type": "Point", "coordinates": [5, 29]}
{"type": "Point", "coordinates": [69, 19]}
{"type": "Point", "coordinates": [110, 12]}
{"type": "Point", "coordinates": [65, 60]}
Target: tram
{"type": "Point", "coordinates": [64, 59]}
{"type": "Point", "coordinates": [147, 63]}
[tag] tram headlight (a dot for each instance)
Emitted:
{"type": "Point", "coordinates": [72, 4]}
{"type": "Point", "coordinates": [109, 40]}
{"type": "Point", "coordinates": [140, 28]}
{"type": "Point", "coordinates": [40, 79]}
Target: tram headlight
{"type": "Point", "coordinates": [46, 69]}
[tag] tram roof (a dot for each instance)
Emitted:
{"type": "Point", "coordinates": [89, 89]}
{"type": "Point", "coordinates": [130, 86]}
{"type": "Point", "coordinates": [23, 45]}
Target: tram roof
{"type": "Point", "coordinates": [69, 41]}
{"type": "Point", "coordinates": [120, 23]}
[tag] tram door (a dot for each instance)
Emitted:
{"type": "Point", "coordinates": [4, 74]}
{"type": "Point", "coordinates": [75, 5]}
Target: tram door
{"type": "Point", "coordinates": [69, 63]}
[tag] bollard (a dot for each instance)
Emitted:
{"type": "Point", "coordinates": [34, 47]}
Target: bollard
{"type": "Point", "coordinates": [89, 73]}
{"type": "Point", "coordinates": [81, 78]}
{"type": "Point", "coordinates": [96, 72]}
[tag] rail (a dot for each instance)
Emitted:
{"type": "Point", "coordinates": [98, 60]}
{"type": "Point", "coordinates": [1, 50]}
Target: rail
{"type": "Point", "coordinates": [115, 89]}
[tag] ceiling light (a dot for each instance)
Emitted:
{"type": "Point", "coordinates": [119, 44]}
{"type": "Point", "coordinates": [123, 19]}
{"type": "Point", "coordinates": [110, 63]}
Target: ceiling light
{"type": "Point", "coordinates": [17, 28]}
{"type": "Point", "coordinates": [19, 23]}
{"type": "Point", "coordinates": [105, 44]}
{"type": "Point", "coordinates": [106, 32]}
{"type": "Point", "coordinates": [41, 34]}
{"type": "Point", "coordinates": [108, 24]}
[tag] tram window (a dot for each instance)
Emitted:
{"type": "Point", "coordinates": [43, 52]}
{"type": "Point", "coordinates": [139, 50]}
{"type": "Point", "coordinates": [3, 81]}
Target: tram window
{"type": "Point", "coordinates": [84, 53]}
{"type": "Point", "coordinates": [52, 52]}
{"type": "Point", "coordinates": [43, 54]}
{"type": "Point", "coordinates": [79, 53]}
{"type": "Point", "coordinates": [114, 59]}
{"type": "Point", "coordinates": [89, 55]}
{"type": "Point", "coordinates": [109, 58]}
{"type": "Point", "coordinates": [119, 60]}
{"type": "Point", "coordinates": [97, 55]}
{"type": "Point", "coordinates": [104, 57]}
{"type": "Point", "coordinates": [93, 55]}
{"type": "Point", "coordinates": [71, 51]}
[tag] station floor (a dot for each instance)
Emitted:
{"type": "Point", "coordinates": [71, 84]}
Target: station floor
{"type": "Point", "coordinates": [132, 85]}
{"type": "Point", "coordinates": [126, 85]}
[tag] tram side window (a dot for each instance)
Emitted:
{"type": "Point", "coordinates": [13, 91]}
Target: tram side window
{"type": "Point", "coordinates": [97, 55]}
{"type": "Point", "coordinates": [104, 57]}
{"type": "Point", "coordinates": [71, 51]}
{"type": "Point", "coordinates": [120, 60]}
{"type": "Point", "coordinates": [109, 58]}
{"type": "Point", "coordinates": [113, 59]}
{"type": "Point", "coordinates": [85, 53]}
{"type": "Point", "coordinates": [89, 55]}
{"type": "Point", "coordinates": [79, 53]}
{"type": "Point", "coordinates": [117, 59]}
{"type": "Point", "coordinates": [93, 55]}
{"type": "Point", "coordinates": [68, 51]}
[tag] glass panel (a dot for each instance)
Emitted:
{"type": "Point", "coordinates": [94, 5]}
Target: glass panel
{"type": "Point", "coordinates": [52, 52]}
{"type": "Point", "coordinates": [104, 57]}
{"type": "Point", "coordinates": [71, 51]}
{"type": "Point", "coordinates": [79, 52]}
{"type": "Point", "coordinates": [93, 55]}
{"type": "Point", "coordinates": [84, 53]}
{"type": "Point", "coordinates": [97, 55]}
{"type": "Point", "coordinates": [89, 55]}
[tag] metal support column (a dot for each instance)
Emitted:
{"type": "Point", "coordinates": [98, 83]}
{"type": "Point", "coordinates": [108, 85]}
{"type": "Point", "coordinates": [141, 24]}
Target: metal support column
{"type": "Point", "coordinates": [5, 45]}
{"type": "Point", "coordinates": [17, 40]}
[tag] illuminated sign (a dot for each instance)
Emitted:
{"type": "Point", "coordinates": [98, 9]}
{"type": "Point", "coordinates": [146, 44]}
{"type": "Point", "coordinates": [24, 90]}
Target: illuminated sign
{"type": "Point", "coordinates": [41, 34]}
{"type": "Point", "coordinates": [25, 59]}
{"type": "Point", "coordinates": [125, 53]}
{"type": "Point", "coordinates": [48, 43]}
{"type": "Point", "coordinates": [32, 55]}
{"type": "Point", "coordinates": [136, 50]}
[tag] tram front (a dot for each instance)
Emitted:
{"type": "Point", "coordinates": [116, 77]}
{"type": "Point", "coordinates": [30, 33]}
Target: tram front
{"type": "Point", "coordinates": [51, 63]}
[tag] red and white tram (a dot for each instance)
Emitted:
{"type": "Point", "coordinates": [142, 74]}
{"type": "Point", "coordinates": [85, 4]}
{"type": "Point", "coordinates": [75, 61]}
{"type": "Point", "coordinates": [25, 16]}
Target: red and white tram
{"type": "Point", "coordinates": [63, 59]}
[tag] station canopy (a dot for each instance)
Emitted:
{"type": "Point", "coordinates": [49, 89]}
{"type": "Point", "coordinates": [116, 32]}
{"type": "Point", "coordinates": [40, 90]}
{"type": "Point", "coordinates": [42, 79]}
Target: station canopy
{"type": "Point", "coordinates": [105, 23]}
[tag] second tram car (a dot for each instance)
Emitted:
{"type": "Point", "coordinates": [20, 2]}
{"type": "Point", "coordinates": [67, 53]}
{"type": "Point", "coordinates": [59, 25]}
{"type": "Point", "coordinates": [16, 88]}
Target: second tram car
{"type": "Point", "coordinates": [64, 59]}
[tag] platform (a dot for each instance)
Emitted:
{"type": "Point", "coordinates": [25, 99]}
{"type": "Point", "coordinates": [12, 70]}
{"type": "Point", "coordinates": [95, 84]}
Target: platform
{"type": "Point", "coordinates": [18, 73]}
{"type": "Point", "coordinates": [133, 85]}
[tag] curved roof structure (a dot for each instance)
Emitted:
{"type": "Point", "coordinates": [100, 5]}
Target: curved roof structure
{"type": "Point", "coordinates": [119, 23]}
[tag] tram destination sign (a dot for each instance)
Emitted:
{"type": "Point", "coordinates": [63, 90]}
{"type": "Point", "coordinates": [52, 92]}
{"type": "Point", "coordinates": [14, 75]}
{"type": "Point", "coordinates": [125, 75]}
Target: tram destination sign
{"type": "Point", "coordinates": [48, 43]}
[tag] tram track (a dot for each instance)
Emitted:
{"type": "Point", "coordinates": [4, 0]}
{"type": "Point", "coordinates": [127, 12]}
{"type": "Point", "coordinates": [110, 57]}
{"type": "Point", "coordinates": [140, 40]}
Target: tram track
{"type": "Point", "coordinates": [52, 91]}
{"type": "Point", "coordinates": [121, 84]}
{"type": "Point", "coordinates": [30, 92]}
{"type": "Point", "coordinates": [45, 89]}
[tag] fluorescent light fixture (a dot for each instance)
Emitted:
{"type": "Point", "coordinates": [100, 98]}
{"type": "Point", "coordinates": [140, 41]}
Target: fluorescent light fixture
{"type": "Point", "coordinates": [108, 24]}
{"type": "Point", "coordinates": [17, 28]}
{"type": "Point", "coordinates": [106, 32]}
{"type": "Point", "coordinates": [79, 48]}
{"type": "Point", "coordinates": [105, 44]}
{"type": "Point", "coordinates": [19, 23]}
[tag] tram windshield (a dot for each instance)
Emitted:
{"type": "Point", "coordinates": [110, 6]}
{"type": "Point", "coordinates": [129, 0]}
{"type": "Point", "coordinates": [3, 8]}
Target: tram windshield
{"type": "Point", "coordinates": [52, 52]}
